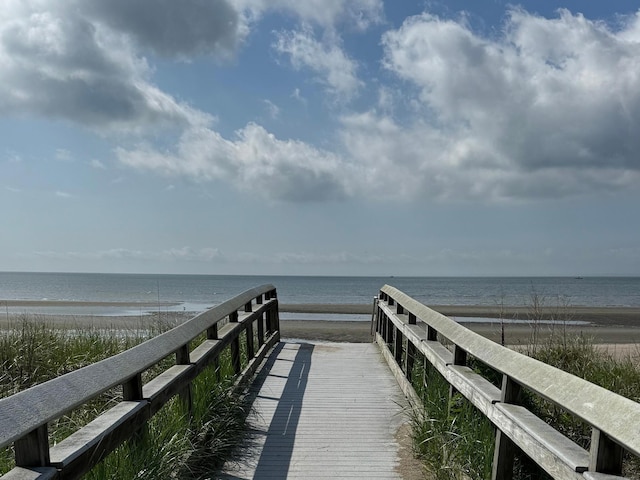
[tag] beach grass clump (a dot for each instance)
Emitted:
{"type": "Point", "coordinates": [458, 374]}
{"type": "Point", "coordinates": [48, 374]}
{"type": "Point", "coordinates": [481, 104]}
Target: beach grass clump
{"type": "Point", "coordinates": [453, 439]}
{"type": "Point", "coordinates": [456, 441]}
{"type": "Point", "coordinates": [180, 441]}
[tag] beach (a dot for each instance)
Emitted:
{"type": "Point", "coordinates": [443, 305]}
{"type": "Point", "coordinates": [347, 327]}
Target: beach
{"type": "Point", "coordinates": [606, 325]}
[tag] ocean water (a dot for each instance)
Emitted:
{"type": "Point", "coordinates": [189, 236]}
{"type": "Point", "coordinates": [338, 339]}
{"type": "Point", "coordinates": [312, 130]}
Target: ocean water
{"type": "Point", "coordinates": [198, 292]}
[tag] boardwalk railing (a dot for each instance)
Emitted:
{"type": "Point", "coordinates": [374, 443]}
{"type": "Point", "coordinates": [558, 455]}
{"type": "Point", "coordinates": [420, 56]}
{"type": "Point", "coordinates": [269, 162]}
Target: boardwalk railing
{"type": "Point", "coordinates": [24, 416]}
{"type": "Point", "coordinates": [405, 327]}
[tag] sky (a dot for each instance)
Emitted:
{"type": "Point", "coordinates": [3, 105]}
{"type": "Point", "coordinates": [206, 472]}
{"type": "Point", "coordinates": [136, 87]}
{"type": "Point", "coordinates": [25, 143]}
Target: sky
{"type": "Point", "coordinates": [320, 137]}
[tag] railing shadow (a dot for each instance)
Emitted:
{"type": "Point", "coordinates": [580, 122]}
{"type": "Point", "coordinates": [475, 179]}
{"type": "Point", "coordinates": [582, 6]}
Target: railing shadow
{"type": "Point", "coordinates": [275, 459]}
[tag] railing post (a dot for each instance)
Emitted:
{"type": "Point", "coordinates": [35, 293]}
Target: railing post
{"type": "Point", "coordinates": [235, 345]}
{"type": "Point", "coordinates": [259, 300]}
{"type": "Point", "coordinates": [260, 330]}
{"type": "Point", "coordinates": [459, 358]}
{"type": "Point", "coordinates": [505, 450]}
{"type": "Point", "coordinates": [397, 347]}
{"type": "Point", "coordinates": [212, 334]}
{"type": "Point", "coordinates": [186, 395]}
{"type": "Point", "coordinates": [605, 455]}
{"type": "Point", "coordinates": [411, 351]}
{"type": "Point", "coordinates": [247, 307]}
{"type": "Point", "coordinates": [250, 347]}
{"type": "Point", "coordinates": [32, 450]}
{"type": "Point", "coordinates": [132, 388]}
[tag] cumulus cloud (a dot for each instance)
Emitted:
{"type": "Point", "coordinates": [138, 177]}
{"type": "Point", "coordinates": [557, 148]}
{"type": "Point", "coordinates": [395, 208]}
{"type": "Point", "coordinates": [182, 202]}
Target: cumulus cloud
{"type": "Point", "coordinates": [58, 62]}
{"type": "Point", "coordinates": [254, 161]}
{"type": "Point", "coordinates": [548, 109]}
{"type": "Point", "coordinates": [334, 69]}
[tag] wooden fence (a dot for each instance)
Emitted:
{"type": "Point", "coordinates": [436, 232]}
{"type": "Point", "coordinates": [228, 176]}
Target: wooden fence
{"type": "Point", "coordinates": [405, 327]}
{"type": "Point", "coordinates": [24, 416]}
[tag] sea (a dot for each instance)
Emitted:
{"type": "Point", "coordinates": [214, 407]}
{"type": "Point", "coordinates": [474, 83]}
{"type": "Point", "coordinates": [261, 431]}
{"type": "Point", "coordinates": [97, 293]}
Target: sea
{"type": "Point", "coordinates": [195, 293]}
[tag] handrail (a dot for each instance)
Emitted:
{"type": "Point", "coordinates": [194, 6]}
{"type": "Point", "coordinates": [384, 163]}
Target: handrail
{"type": "Point", "coordinates": [401, 317]}
{"type": "Point", "coordinates": [25, 415]}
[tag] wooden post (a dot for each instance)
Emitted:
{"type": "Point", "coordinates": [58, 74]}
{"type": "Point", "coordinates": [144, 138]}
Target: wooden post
{"type": "Point", "coordinates": [32, 450]}
{"type": "Point", "coordinates": [432, 334]}
{"type": "Point", "coordinates": [261, 330]}
{"type": "Point", "coordinates": [259, 300]}
{"type": "Point", "coordinates": [391, 302]}
{"type": "Point", "coordinates": [605, 454]}
{"type": "Point", "coordinates": [235, 343]}
{"type": "Point", "coordinates": [505, 449]}
{"type": "Point", "coordinates": [132, 388]}
{"type": "Point", "coordinates": [397, 347]}
{"type": "Point", "coordinates": [186, 394]}
{"type": "Point", "coordinates": [250, 347]}
{"type": "Point", "coordinates": [399, 309]}
{"type": "Point", "coordinates": [212, 334]}
{"type": "Point", "coordinates": [459, 358]}
{"type": "Point", "coordinates": [247, 307]}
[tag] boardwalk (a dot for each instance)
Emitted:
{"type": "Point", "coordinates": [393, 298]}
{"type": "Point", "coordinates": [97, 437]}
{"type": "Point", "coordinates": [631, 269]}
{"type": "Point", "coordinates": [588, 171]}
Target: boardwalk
{"type": "Point", "coordinates": [323, 410]}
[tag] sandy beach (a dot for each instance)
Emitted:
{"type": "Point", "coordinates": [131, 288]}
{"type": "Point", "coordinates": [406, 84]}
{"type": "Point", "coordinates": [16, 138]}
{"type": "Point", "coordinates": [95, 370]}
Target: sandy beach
{"type": "Point", "coordinates": [610, 326]}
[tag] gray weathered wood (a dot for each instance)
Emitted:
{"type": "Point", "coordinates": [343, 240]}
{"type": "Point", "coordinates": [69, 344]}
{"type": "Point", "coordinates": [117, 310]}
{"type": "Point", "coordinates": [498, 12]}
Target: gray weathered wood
{"type": "Point", "coordinates": [99, 437]}
{"type": "Point", "coordinates": [597, 406]}
{"type": "Point", "coordinates": [29, 409]}
{"type": "Point", "coordinates": [316, 415]}
{"type": "Point", "coordinates": [33, 473]}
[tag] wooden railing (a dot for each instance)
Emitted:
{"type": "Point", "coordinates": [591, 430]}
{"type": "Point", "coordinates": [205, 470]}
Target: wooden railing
{"type": "Point", "coordinates": [404, 327]}
{"type": "Point", "coordinates": [24, 416]}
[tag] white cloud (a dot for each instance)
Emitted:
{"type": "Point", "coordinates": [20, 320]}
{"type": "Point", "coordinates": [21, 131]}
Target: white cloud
{"type": "Point", "coordinates": [548, 110]}
{"type": "Point", "coordinates": [272, 108]}
{"type": "Point", "coordinates": [64, 155]}
{"type": "Point", "coordinates": [57, 61]}
{"type": "Point", "coordinates": [333, 67]}
{"type": "Point", "coordinates": [298, 96]}
{"type": "Point", "coordinates": [97, 164]}
{"type": "Point", "coordinates": [61, 194]}
{"type": "Point", "coordinates": [254, 161]}
{"type": "Point", "coordinates": [327, 13]}
{"type": "Point", "coordinates": [186, 253]}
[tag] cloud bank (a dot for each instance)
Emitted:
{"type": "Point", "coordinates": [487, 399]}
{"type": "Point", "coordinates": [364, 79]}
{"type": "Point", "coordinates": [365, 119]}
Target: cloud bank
{"type": "Point", "coordinates": [548, 108]}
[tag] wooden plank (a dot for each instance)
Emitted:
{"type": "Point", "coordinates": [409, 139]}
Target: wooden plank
{"type": "Point", "coordinates": [316, 415]}
{"type": "Point", "coordinates": [477, 389]}
{"type": "Point", "coordinates": [555, 453]}
{"type": "Point", "coordinates": [167, 384]}
{"type": "Point", "coordinates": [33, 473]}
{"type": "Point", "coordinates": [601, 476]}
{"type": "Point", "coordinates": [77, 453]}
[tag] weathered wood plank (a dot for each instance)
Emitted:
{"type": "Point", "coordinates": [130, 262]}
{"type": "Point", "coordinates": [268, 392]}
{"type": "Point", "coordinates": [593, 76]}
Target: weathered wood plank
{"type": "Point", "coordinates": [34, 473]}
{"type": "Point", "coordinates": [317, 414]}
{"type": "Point", "coordinates": [85, 447]}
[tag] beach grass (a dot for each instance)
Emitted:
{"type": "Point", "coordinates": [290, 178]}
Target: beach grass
{"type": "Point", "coordinates": [456, 441]}
{"type": "Point", "coordinates": [175, 441]}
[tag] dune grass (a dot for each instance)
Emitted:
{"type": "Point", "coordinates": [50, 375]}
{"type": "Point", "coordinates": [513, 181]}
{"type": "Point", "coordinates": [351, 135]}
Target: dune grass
{"type": "Point", "coordinates": [175, 443]}
{"type": "Point", "coordinates": [456, 441]}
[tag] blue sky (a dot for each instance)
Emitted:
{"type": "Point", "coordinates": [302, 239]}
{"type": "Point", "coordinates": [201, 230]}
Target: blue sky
{"type": "Point", "coordinates": [320, 137]}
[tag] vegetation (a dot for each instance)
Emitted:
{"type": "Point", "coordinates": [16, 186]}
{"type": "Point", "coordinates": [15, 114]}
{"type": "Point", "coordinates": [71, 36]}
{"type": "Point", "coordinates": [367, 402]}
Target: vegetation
{"type": "Point", "coordinates": [175, 442]}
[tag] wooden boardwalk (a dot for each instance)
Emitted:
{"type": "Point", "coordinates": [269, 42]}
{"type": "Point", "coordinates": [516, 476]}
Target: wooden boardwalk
{"type": "Point", "coordinates": [322, 410]}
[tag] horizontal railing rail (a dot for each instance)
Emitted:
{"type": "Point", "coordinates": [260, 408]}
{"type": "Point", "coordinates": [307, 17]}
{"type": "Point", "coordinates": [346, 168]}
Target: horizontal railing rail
{"type": "Point", "coordinates": [24, 417]}
{"type": "Point", "coordinates": [405, 327]}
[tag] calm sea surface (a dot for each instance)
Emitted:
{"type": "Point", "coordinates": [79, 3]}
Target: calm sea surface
{"type": "Point", "coordinates": [198, 292]}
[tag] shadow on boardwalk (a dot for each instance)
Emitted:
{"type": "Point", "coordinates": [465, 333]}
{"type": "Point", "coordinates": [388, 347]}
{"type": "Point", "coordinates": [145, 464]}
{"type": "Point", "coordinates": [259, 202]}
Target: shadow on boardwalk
{"type": "Point", "coordinates": [322, 410]}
